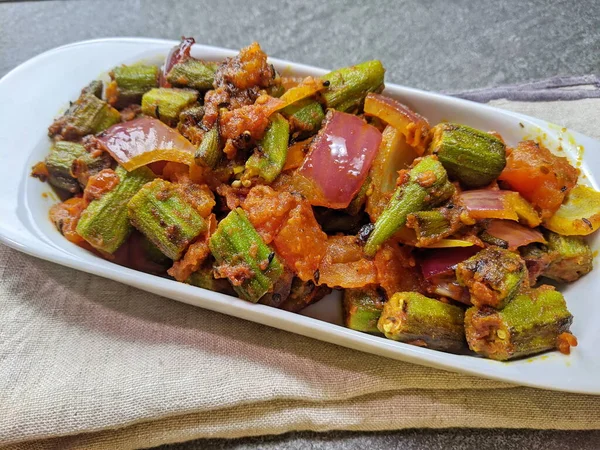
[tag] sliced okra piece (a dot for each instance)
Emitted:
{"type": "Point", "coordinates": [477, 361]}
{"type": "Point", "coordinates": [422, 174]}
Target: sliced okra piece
{"type": "Point", "coordinates": [209, 152]}
{"type": "Point", "coordinates": [531, 323]}
{"type": "Point", "coordinates": [105, 222]}
{"type": "Point", "coordinates": [493, 276]}
{"type": "Point", "coordinates": [161, 213]}
{"type": "Point", "coordinates": [59, 163]}
{"type": "Point", "coordinates": [88, 115]}
{"type": "Point", "coordinates": [412, 318]}
{"type": "Point", "coordinates": [362, 309]}
{"type": "Point", "coordinates": [305, 117]}
{"type": "Point", "coordinates": [167, 103]}
{"type": "Point", "coordinates": [251, 266]}
{"type": "Point", "coordinates": [95, 88]}
{"type": "Point", "coordinates": [471, 156]}
{"type": "Point", "coordinates": [430, 225]}
{"type": "Point", "coordinates": [133, 82]}
{"type": "Point", "coordinates": [193, 73]}
{"type": "Point", "coordinates": [571, 257]}
{"type": "Point", "coordinates": [268, 160]}
{"type": "Point", "coordinates": [427, 186]}
{"type": "Point", "coordinates": [347, 87]}
{"type": "Point", "coordinates": [205, 279]}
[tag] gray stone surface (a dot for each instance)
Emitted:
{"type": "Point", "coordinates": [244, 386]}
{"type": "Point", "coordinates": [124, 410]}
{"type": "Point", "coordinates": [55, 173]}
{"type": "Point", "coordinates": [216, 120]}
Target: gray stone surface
{"type": "Point", "coordinates": [435, 45]}
{"type": "Point", "coordinates": [449, 439]}
{"type": "Point", "coordinates": [427, 44]}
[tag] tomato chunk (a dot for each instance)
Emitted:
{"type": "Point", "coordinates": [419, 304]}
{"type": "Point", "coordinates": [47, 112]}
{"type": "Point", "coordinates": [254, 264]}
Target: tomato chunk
{"type": "Point", "coordinates": [539, 176]}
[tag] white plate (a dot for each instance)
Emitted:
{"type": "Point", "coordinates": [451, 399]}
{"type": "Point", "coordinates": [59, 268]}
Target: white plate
{"type": "Point", "coordinates": [32, 95]}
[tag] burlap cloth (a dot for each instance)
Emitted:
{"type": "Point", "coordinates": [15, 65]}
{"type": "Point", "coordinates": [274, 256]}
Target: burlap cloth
{"type": "Point", "coordinates": [90, 363]}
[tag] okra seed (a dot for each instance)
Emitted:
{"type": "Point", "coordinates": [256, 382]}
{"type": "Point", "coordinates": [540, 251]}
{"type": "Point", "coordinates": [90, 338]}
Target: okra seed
{"type": "Point", "coordinates": [246, 183]}
{"type": "Point", "coordinates": [501, 334]}
{"type": "Point", "coordinates": [236, 184]}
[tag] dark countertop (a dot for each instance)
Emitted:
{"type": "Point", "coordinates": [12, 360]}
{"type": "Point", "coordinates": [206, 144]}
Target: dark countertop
{"type": "Point", "coordinates": [434, 45]}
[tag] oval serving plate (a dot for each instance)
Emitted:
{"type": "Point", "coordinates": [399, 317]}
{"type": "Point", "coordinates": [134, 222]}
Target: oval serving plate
{"type": "Point", "coordinates": [33, 94]}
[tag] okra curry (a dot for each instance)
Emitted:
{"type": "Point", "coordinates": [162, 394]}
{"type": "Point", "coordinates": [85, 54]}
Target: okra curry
{"type": "Point", "coordinates": [233, 177]}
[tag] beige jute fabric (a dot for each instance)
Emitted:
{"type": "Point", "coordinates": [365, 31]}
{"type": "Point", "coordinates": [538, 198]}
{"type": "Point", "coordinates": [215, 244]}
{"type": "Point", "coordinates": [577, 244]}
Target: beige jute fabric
{"type": "Point", "coordinates": [89, 363]}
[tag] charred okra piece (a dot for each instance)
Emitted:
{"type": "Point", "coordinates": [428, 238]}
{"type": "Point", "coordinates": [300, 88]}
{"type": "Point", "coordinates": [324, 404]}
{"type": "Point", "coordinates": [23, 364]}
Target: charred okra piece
{"type": "Point", "coordinates": [269, 158]}
{"type": "Point", "coordinates": [163, 215]}
{"type": "Point", "coordinates": [166, 104]}
{"type": "Point", "coordinates": [302, 294]}
{"type": "Point", "coordinates": [305, 117]}
{"type": "Point", "coordinates": [193, 73]}
{"type": "Point", "coordinates": [88, 115]}
{"type": "Point", "coordinates": [59, 163]}
{"type": "Point", "coordinates": [133, 82]}
{"type": "Point", "coordinates": [430, 225]}
{"type": "Point", "coordinates": [530, 324]}
{"type": "Point", "coordinates": [281, 290]}
{"type": "Point", "coordinates": [205, 279]}
{"type": "Point", "coordinates": [349, 86]}
{"type": "Point", "coordinates": [209, 151]}
{"type": "Point", "coordinates": [105, 223]}
{"type": "Point", "coordinates": [251, 266]}
{"type": "Point", "coordinates": [415, 319]}
{"type": "Point", "coordinates": [571, 257]}
{"type": "Point", "coordinates": [471, 156]}
{"type": "Point", "coordinates": [493, 276]}
{"type": "Point", "coordinates": [191, 116]}
{"type": "Point", "coordinates": [362, 309]}
{"type": "Point", "coordinates": [427, 186]}
{"type": "Point", "coordinates": [95, 88]}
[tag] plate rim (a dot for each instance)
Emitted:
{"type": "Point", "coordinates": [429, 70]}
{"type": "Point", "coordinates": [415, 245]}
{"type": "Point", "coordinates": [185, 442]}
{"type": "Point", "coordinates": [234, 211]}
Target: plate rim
{"type": "Point", "coordinates": [245, 310]}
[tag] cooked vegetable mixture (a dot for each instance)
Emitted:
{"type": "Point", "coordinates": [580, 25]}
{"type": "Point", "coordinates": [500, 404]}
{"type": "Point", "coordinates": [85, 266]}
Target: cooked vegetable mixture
{"type": "Point", "coordinates": [233, 177]}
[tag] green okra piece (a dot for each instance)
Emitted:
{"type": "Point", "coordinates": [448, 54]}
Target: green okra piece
{"type": "Point", "coordinates": [349, 86]}
{"type": "Point", "coordinates": [412, 318]}
{"type": "Point", "coordinates": [105, 222]}
{"type": "Point", "coordinates": [281, 290]}
{"type": "Point", "coordinates": [493, 276]}
{"type": "Point", "coordinates": [471, 156]}
{"type": "Point", "coordinates": [88, 115]}
{"type": "Point", "coordinates": [493, 240]}
{"type": "Point", "coordinates": [430, 224]}
{"type": "Point", "coordinates": [530, 324]}
{"type": "Point", "coordinates": [362, 309]}
{"type": "Point", "coordinates": [193, 73]}
{"type": "Point", "coordinates": [251, 266]}
{"type": "Point", "coordinates": [153, 253]}
{"type": "Point", "coordinates": [59, 163]}
{"type": "Point", "coordinates": [133, 82]}
{"type": "Point", "coordinates": [167, 103]}
{"type": "Point", "coordinates": [209, 152]}
{"type": "Point", "coordinates": [571, 257]}
{"type": "Point", "coordinates": [95, 88]}
{"type": "Point", "coordinates": [161, 213]}
{"type": "Point", "coordinates": [305, 117]}
{"type": "Point", "coordinates": [87, 165]}
{"type": "Point", "coordinates": [427, 187]}
{"type": "Point", "coordinates": [204, 278]}
{"type": "Point", "coordinates": [192, 115]}
{"type": "Point", "coordinates": [302, 294]}
{"type": "Point", "coordinates": [269, 159]}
